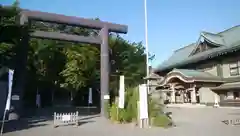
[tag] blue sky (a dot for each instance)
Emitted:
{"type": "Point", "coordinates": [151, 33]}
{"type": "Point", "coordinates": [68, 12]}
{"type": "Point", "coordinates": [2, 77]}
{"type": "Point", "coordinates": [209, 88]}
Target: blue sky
{"type": "Point", "coordinates": [172, 23]}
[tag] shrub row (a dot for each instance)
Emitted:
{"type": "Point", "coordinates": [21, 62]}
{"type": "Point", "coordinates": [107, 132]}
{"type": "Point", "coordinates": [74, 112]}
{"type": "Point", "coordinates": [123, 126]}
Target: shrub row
{"type": "Point", "coordinates": [130, 112]}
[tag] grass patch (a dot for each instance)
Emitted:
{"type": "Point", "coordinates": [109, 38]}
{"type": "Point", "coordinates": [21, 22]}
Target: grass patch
{"type": "Point", "coordinates": [161, 121]}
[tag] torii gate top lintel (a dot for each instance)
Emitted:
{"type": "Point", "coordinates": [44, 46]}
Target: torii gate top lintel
{"type": "Point", "coordinates": [73, 21]}
{"type": "Point", "coordinates": [26, 15]}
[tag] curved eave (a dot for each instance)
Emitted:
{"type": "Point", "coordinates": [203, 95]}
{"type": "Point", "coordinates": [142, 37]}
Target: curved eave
{"type": "Point", "coordinates": [178, 75]}
{"type": "Point", "coordinates": [210, 41]}
{"type": "Point", "coordinates": [213, 43]}
{"type": "Point", "coordinates": [187, 79]}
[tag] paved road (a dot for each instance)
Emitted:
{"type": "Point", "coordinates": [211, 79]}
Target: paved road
{"type": "Point", "coordinates": [189, 121]}
{"type": "Point", "coordinates": [204, 121]}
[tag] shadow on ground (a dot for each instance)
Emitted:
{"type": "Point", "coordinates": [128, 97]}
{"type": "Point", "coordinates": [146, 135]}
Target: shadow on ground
{"type": "Point", "coordinates": [22, 124]}
{"type": "Point", "coordinates": [44, 118]}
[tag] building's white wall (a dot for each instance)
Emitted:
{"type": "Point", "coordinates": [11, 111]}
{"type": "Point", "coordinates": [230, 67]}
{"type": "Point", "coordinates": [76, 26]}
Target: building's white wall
{"type": "Point", "coordinates": [225, 66]}
{"type": "Point", "coordinates": [211, 66]}
{"type": "Point", "coordinates": [212, 70]}
{"type": "Point", "coordinates": [207, 95]}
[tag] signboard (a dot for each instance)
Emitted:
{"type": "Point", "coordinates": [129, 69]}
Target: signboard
{"type": "Point", "coordinates": [121, 93]}
{"type": "Point", "coordinates": [66, 117]}
{"type": "Point", "coordinates": [15, 97]}
{"type": "Point", "coordinates": [106, 97]}
{"type": "Point", "coordinates": [90, 96]}
{"type": "Point", "coordinates": [10, 80]}
{"type": "Point", "coordinates": [143, 102]}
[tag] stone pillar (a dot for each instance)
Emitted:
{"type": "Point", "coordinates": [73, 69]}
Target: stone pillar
{"type": "Point", "coordinates": [193, 96]}
{"type": "Point", "coordinates": [164, 95]}
{"type": "Point", "coordinates": [172, 94]}
{"type": "Point", "coordinates": [216, 98]}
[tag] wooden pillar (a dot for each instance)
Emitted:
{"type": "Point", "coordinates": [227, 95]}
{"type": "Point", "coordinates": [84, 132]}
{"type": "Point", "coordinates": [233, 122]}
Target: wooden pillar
{"type": "Point", "coordinates": [193, 95]}
{"type": "Point", "coordinates": [173, 94]}
{"type": "Point", "coordinates": [182, 96]}
{"type": "Point", "coordinates": [104, 72]}
{"type": "Point", "coordinates": [19, 75]}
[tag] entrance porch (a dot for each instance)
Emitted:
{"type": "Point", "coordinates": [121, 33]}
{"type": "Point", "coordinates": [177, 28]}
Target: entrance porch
{"type": "Point", "coordinates": [182, 86]}
{"type": "Point", "coordinates": [178, 92]}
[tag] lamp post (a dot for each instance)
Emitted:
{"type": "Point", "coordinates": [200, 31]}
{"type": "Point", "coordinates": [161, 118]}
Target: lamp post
{"type": "Point", "coordinates": [146, 121]}
{"type": "Point", "coordinates": [146, 41]}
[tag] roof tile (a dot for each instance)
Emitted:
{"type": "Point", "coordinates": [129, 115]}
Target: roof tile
{"type": "Point", "coordinates": [229, 39]}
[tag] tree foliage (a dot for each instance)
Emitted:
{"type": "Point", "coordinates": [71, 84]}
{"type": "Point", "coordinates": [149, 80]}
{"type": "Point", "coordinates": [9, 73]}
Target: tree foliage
{"type": "Point", "coordinates": [69, 65]}
{"type": "Point", "coordinates": [80, 67]}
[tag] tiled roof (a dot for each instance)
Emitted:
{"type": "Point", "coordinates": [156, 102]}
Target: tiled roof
{"type": "Point", "coordinates": [178, 56]}
{"type": "Point", "coordinates": [196, 74]}
{"type": "Point", "coordinates": [213, 38]}
{"type": "Point", "coordinates": [228, 39]}
{"type": "Point", "coordinates": [227, 86]}
{"type": "Point", "coordinates": [231, 36]}
{"type": "Point", "coordinates": [191, 75]}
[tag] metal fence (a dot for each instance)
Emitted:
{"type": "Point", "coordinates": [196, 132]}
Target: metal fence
{"type": "Point", "coordinates": [61, 119]}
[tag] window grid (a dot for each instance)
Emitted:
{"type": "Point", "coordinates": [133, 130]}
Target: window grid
{"type": "Point", "coordinates": [234, 68]}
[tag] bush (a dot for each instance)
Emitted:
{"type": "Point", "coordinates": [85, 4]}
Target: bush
{"type": "Point", "coordinates": [113, 112]}
{"type": "Point", "coordinates": [130, 112]}
{"type": "Point", "coordinates": [156, 114]}
{"type": "Point", "coordinates": [161, 121]}
{"type": "Point", "coordinates": [119, 115]}
{"type": "Point", "coordinates": [153, 109]}
{"type": "Point", "coordinates": [131, 103]}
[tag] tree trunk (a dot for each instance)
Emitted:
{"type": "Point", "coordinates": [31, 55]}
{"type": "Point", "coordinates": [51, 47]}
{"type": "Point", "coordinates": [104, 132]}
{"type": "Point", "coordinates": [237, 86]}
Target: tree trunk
{"type": "Point", "coordinates": [53, 96]}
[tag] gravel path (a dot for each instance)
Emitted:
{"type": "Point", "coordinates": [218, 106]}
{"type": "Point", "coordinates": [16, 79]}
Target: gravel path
{"type": "Point", "coordinates": [189, 121]}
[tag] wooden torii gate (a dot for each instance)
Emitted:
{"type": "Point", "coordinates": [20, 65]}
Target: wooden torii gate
{"type": "Point", "coordinates": [25, 18]}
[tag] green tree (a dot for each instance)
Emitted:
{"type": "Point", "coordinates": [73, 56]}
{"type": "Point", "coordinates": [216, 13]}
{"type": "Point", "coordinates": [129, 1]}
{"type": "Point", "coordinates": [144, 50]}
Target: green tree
{"type": "Point", "coordinates": [127, 59]}
{"type": "Point", "coordinates": [80, 67]}
{"type": "Point", "coordinates": [74, 66]}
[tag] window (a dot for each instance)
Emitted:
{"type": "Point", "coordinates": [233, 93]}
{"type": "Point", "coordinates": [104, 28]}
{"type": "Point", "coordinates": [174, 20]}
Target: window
{"type": "Point", "coordinates": [234, 68]}
{"type": "Point", "coordinates": [236, 95]}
